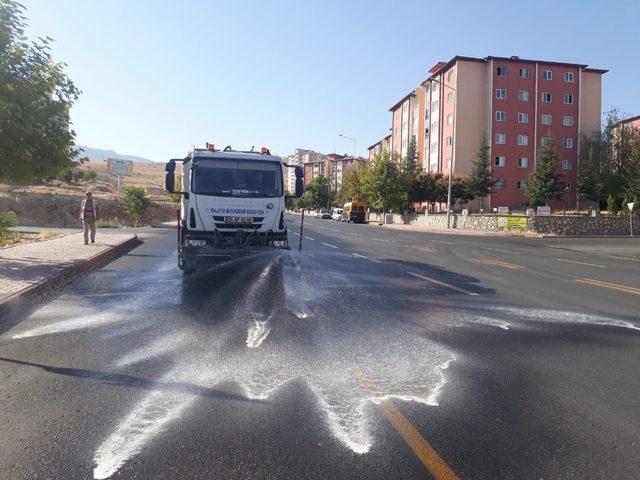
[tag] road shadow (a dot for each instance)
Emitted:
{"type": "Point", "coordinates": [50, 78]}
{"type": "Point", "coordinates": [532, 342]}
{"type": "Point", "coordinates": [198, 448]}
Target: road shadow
{"type": "Point", "coordinates": [132, 381]}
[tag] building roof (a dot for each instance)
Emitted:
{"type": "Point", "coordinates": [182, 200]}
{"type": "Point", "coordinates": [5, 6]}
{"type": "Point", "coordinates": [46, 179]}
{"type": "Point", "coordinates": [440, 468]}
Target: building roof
{"type": "Point", "coordinates": [627, 120]}
{"type": "Point", "coordinates": [378, 142]}
{"type": "Point", "coordinates": [402, 100]}
{"type": "Point", "coordinates": [444, 66]}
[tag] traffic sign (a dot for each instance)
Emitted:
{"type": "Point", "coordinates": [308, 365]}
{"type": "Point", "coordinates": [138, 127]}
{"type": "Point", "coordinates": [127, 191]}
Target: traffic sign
{"type": "Point", "coordinates": [630, 205]}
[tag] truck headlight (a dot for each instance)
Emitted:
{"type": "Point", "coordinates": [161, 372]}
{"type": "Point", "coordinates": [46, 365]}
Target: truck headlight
{"type": "Point", "coordinates": [196, 243]}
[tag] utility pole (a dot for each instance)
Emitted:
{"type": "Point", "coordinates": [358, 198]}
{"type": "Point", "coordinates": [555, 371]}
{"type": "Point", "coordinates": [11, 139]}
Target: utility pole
{"type": "Point", "coordinates": [453, 149]}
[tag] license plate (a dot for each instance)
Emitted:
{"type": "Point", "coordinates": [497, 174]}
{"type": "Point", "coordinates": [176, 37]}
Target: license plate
{"type": "Point", "coordinates": [238, 220]}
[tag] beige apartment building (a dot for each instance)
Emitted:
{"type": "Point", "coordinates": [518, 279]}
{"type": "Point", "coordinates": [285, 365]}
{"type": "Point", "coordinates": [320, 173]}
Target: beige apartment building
{"type": "Point", "coordinates": [515, 103]}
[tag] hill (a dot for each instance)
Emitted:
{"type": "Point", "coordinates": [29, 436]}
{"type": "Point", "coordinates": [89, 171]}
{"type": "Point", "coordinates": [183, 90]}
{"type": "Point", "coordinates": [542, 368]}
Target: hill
{"type": "Point", "coordinates": [97, 154]}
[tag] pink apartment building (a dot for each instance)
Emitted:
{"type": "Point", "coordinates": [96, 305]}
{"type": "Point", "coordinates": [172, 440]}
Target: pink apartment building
{"type": "Point", "coordinates": [515, 103]}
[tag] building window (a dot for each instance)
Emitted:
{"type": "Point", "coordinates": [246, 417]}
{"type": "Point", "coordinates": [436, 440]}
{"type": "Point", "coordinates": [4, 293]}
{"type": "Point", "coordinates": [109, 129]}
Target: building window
{"type": "Point", "coordinates": [545, 119]}
{"type": "Point", "coordinates": [523, 140]}
{"type": "Point", "coordinates": [427, 113]}
{"type": "Point", "coordinates": [449, 97]}
{"type": "Point", "coordinates": [521, 184]}
{"type": "Point", "coordinates": [499, 184]}
{"type": "Point", "coordinates": [404, 143]}
{"type": "Point", "coordinates": [449, 141]}
{"type": "Point", "coordinates": [546, 97]}
{"type": "Point", "coordinates": [501, 94]}
{"type": "Point", "coordinates": [435, 106]}
{"type": "Point", "coordinates": [567, 165]}
{"type": "Point", "coordinates": [499, 161]}
{"type": "Point", "coordinates": [522, 162]}
{"type": "Point", "coordinates": [450, 75]}
{"type": "Point", "coordinates": [435, 126]}
{"type": "Point", "coordinates": [405, 107]}
{"type": "Point", "coordinates": [501, 138]}
{"type": "Point", "coordinates": [568, 99]}
{"type": "Point", "coordinates": [567, 121]}
{"type": "Point", "coordinates": [501, 116]}
{"type": "Point", "coordinates": [568, 77]}
{"type": "Point", "coordinates": [547, 75]}
{"type": "Point", "coordinates": [450, 119]}
{"type": "Point", "coordinates": [501, 71]}
{"type": "Point", "coordinates": [523, 118]}
{"type": "Point", "coordinates": [523, 95]}
{"type": "Point", "coordinates": [524, 73]}
{"type": "Point", "coordinates": [434, 147]}
{"type": "Point", "coordinates": [567, 142]}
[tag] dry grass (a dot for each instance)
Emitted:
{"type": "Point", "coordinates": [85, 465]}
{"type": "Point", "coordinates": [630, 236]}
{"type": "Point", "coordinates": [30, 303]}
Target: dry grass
{"type": "Point", "coordinates": [15, 238]}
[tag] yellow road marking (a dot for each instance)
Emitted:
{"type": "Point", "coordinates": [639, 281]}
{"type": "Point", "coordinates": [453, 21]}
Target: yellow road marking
{"type": "Point", "coordinates": [443, 284]}
{"type": "Point", "coordinates": [498, 263]}
{"type": "Point", "coordinates": [425, 452]}
{"type": "Point", "coordinates": [614, 286]}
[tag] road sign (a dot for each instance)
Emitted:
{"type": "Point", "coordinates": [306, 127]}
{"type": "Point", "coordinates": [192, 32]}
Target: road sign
{"type": "Point", "coordinates": [543, 211]}
{"type": "Point", "coordinates": [119, 167]}
{"type": "Point", "coordinates": [630, 205]}
{"type": "Point", "coordinates": [503, 210]}
{"type": "Point", "coordinates": [512, 222]}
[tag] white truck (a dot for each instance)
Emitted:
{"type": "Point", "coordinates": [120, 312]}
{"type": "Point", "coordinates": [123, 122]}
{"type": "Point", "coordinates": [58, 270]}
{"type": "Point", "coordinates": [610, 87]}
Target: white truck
{"type": "Point", "coordinates": [233, 204]}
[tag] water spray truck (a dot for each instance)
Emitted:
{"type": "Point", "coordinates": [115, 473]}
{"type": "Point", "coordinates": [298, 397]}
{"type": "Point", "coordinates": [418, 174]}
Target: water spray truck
{"type": "Point", "coordinates": [233, 204]}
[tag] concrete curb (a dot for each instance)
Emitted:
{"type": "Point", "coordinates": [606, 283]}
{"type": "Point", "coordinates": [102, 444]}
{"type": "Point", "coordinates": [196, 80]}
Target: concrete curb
{"type": "Point", "coordinates": [39, 292]}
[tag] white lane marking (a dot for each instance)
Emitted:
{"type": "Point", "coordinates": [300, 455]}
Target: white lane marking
{"type": "Point", "coordinates": [329, 245]}
{"type": "Point", "coordinates": [443, 241]}
{"type": "Point", "coordinates": [374, 260]}
{"type": "Point", "coordinates": [296, 233]}
{"type": "Point", "coordinates": [309, 238]}
{"type": "Point", "coordinates": [580, 263]}
{"type": "Point", "coordinates": [443, 284]}
{"type": "Point", "coordinates": [499, 250]}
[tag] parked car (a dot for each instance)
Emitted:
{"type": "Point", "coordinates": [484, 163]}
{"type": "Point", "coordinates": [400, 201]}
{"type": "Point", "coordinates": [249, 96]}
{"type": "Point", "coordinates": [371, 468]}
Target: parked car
{"type": "Point", "coordinates": [324, 214]}
{"type": "Point", "coordinates": [316, 214]}
{"type": "Point", "coordinates": [354, 212]}
{"type": "Point", "coordinates": [336, 214]}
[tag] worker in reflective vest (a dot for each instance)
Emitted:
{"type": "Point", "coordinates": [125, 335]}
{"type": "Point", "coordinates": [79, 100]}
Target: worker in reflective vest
{"type": "Point", "coordinates": [88, 216]}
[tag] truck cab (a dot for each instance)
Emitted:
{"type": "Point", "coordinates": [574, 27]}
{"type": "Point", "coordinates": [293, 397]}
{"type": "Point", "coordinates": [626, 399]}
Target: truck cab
{"type": "Point", "coordinates": [232, 204]}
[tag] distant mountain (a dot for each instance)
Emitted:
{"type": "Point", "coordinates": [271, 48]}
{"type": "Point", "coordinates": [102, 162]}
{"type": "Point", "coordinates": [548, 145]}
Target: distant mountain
{"type": "Point", "coordinates": [99, 154]}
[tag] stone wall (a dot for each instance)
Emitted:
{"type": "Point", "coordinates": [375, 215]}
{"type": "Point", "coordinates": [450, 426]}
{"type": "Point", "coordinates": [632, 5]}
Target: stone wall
{"type": "Point", "coordinates": [46, 210]}
{"type": "Point", "coordinates": [552, 225]}
{"type": "Point", "coordinates": [583, 225]}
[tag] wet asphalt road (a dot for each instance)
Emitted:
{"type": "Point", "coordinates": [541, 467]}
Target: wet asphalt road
{"type": "Point", "coordinates": [373, 353]}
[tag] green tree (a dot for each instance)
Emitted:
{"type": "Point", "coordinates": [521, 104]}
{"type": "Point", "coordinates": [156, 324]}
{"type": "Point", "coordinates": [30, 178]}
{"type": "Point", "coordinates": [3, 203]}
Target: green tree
{"type": "Point", "coordinates": [422, 187]}
{"type": "Point", "coordinates": [544, 182]}
{"type": "Point", "coordinates": [589, 183]}
{"type": "Point", "coordinates": [136, 203]}
{"type": "Point", "coordinates": [35, 98]}
{"type": "Point", "coordinates": [90, 175]}
{"type": "Point", "coordinates": [352, 185]}
{"type": "Point", "coordinates": [480, 182]}
{"type": "Point", "coordinates": [383, 184]}
{"type": "Point", "coordinates": [612, 205]}
{"type": "Point", "coordinates": [318, 192]}
{"type": "Point", "coordinates": [632, 173]}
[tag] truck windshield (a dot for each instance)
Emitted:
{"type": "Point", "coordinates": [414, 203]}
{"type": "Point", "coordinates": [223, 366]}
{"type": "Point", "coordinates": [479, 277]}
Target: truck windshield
{"type": "Point", "coordinates": [237, 178]}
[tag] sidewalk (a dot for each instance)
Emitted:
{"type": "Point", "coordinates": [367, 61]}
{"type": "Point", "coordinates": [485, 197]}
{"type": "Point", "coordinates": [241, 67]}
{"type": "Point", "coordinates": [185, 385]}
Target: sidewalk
{"type": "Point", "coordinates": [28, 269]}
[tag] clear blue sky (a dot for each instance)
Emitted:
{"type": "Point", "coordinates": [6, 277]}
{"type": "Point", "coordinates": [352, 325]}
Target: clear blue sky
{"type": "Point", "coordinates": [158, 76]}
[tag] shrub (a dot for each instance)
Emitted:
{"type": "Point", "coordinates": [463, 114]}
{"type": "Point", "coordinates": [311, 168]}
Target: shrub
{"type": "Point", "coordinates": [109, 223]}
{"type": "Point", "coordinates": [90, 175]}
{"type": "Point", "coordinates": [7, 220]}
{"type": "Point", "coordinates": [136, 202]}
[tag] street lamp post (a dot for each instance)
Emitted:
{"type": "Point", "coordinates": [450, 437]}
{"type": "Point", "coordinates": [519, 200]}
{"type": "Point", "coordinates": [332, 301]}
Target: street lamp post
{"type": "Point", "coordinates": [453, 149]}
{"type": "Point", "coordinates": [354, 143]}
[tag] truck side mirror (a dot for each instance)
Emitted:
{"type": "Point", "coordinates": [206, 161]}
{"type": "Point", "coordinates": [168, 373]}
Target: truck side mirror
{"type": "Point", "coordinates": [169, 182]}
{"type": "Point", "coordinates": [299, 172]}
{"type": "Point", "coordinates": [299, 187]}
{"type": "Point", "coordinates": [169, 178]}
